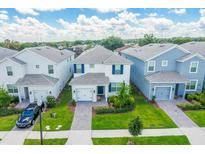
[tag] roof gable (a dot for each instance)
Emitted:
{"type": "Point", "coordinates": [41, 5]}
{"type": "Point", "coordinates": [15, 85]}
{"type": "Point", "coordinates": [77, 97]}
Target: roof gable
{"type": "Point", "coordinates": [100, 55]}
{"type": "Point", "coordinates": [6, 53]}
{"type": "Point", "coordinates": [190, 56]}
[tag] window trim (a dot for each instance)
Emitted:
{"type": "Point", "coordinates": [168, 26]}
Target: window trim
{"type": "Point", "coordinates": [9, 71]}
{"type": "Point", "coordinates": [37, 66]}
{"type": "Point", "coordinates": [196, 85]}
{"type": "Point", "coordinates": [116, 87]}
{"type": "Point", "coordinates": [166, 63]}
{"type": "Point", "coordinates": [52, 69]}
{"type": "Point", "coordinates": [197, 62]}
{"type": "Point", "coordinates": [148, 65]}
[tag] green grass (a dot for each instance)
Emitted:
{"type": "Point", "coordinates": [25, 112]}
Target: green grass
{"type": "Point", "coordinates": [64, 115]}
{"type": "Point", "coordinates": [151, 116]}
{"type": "Point", "coordinates": [197, 116]}
{"type": "Point", "coordinates": [162, 140]}
{"type": "Point", "coordinates": [8, 122]}
{"type": "Point", "coordinates": [61, 141]}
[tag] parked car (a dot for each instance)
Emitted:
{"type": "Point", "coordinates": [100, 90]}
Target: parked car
{"type": "Point", "coordinates": [28, 116]}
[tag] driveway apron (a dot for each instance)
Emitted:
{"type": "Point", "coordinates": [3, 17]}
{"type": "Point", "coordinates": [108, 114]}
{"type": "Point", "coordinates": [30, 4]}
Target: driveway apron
{"type": "Point", "coordinates": [194, 133]}
{"type": "Point", "coordinates": [80, 133]}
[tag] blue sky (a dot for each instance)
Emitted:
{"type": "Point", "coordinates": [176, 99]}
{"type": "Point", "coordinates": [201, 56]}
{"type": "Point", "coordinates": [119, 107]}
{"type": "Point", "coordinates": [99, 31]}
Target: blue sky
{"type": "Point", "coordinates": [71, 24]}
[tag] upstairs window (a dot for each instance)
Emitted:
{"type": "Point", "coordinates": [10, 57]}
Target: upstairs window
{"type": "Point", "coordinates": [50, 69]}
{"type": "Point", "coordinates": [9, 71]}
{"type": "Point", "coordinates": [117, 69]}
{"type": "Point", "coordinates": [151, 66]}
{"type": "Point", "coordinates": [194, 67]}
{"type": "Point", "coordinates": [78, 68]}
{"type": "Point", "coordinates": [12, 89]}
{"type": "Point", "coordinates": [37, 66]}
{"type": "Point", "coordinates": [164, 63]}
{"type": "Point", "coordinates": [192, 85]}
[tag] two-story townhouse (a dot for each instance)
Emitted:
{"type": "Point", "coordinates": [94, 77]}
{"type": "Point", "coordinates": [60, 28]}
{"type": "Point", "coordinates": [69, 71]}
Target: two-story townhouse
{"type": "Point", "coordinates": [98, 74]}
{"type": "Point", "coordinates": [166, 71]}
{"type": "Point", "coordinates": [34, 73]}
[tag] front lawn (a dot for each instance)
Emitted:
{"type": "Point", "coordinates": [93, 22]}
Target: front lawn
{"type": "Point", "coordinates": [161, 140]}
{"type": "Point", "coordinates": [151, 116]}
{"type": "Point", "coordinates": [61, 141]}
{"type": "Point", "coordinates": [8, 122]}
{"type": "Point", "coordinates": [64, 115]}
{"type": "Point", "coordinates": [197, 116]}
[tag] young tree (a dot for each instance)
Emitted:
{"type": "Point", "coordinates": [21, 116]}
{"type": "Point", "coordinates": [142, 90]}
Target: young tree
{"type": "Point", "coordinates": [112, 43]}
{"type": "Point", "coordinates": [135, 126]}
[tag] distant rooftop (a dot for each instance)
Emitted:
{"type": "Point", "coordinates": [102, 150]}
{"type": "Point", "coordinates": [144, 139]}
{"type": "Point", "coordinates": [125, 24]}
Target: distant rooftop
{"type": "Point", "coordinates": [6, 53]}
{"type": "Point", "coordinates": [195, 47]}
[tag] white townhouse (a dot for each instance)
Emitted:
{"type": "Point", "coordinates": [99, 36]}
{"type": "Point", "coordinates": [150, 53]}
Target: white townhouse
{"type": "Point", "coordinates": [98, 74]}
{"type": "Point", "coordinates": [34, 73]}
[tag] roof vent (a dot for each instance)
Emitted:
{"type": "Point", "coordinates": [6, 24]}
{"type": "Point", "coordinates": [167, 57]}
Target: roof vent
{"type": "Point", "coordinates": [62, 53]}
{"type": "Point", "coordinates": [38, 48]}
{"type": "Point", "coordinates": [150, 45]}
{"type": "Point", "coordinates": [192, 43]}
{"type": "Point", "coordinates": [161, 45]}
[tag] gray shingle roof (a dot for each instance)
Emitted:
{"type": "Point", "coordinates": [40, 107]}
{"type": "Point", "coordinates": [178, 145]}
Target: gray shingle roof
{"type": "Point", "coordinates": [148, 51]}
{"type": "Point", "coordinates": [6, 53]}
{"type": "Point", "coordinates": [17, 60]}
{"type": "Point", "coordinates": [52, 53]}
{"type": "Point", "coordinates": [90, 79]}
{"type": "Point", "coordinates": [195, 47]}
{"type": "Point", "coordinates": [166, 77]}
{"type": "Point", "coordinates": [100, 55]}
{"type": "Point", "coordinates": [37, 79]}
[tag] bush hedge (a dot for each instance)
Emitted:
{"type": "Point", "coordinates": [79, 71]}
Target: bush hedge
{"type": "Point", "coordinates": [9, 111]}
{"type": "Point", "coordinates": [191, 106]}
{"type": "Point", "coordinates": [106, 110]}
{"type": "Point", "coordinates": [51, 101]}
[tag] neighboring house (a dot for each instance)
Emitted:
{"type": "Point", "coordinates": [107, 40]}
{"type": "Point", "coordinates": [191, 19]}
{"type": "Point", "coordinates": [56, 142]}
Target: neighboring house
{"type": "Point", "coordinates": [98, 74]}
{"type": "Point", "coordinates": [167, 71]}
{"type": "Point", "coordinates": [34, 73]}
{"type": "Point", "coordinates": [128, 47]}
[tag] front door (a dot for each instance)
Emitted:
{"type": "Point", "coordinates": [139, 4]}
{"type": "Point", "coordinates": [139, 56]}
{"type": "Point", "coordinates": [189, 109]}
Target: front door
{"type": "Point", "coordinates": [26, 92]}
{"type": "Point", "coordinates": [100, 90]}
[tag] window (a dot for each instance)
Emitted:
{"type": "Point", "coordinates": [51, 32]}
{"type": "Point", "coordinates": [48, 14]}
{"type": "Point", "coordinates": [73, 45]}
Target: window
{"type": "Point", "coordinates": [115, 87]}
{"type": "Point", "coordinates": [92, 66]}
{"type": "Point", "coordinates": [151, 66]}
{"type": "Point", "coordinates": [37, 66]}
{"type": "Point", "coordinates": [78, 68]}
{"type": "Point", "coordinates": [12, 89]}
{"type": "Point", "coordinates": [117, 69]}
{"type": "Point", "coordinates": [164, 63]}
{"type": "Point", "coordinates": [193, 67]}
{"type": "Point", "coordinates": [50, 69]}
{"type": "Point", "coordinates": [9, 71]}
{"type": "Point", "coordinates": [192, 85]}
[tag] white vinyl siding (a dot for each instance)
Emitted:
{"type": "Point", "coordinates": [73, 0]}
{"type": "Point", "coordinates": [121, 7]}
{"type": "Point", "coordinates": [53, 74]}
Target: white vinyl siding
{"type": "Point", "coordinates": [192, 85]}
{"type": "Point", "coordinates": [193, 67]}
{"type": "Point", "coordinates": [151, 66]}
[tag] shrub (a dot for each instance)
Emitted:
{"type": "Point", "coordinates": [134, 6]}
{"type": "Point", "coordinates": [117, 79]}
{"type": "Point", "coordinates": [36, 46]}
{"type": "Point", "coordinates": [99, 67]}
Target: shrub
{"type": "Point", "coordinates": [73, 102]}
{"type": "Point", "coordinates": [135, 126]}
{"type": "Point", "coordinates": [9, 111]}
{"type": "Point", "coordinates": [15, 99]}
{"type": "Point", "coordinates": [106, 110]}
{"type": "Point", "coordinates": [51, 101]}
{"type": "Point", "coordinates": [111, 99]}
{"type": "Point", "coordinates": [189, 106]}
{"type": "Point", "coordinates": [5, 98]}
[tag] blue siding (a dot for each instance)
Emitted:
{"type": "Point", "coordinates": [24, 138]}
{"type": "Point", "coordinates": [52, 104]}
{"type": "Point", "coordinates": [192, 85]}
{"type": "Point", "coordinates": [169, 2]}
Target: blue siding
{"type": "Point", "coordinates": [171, 56]}
{"type": "Point", "coordinates": [183, 68]}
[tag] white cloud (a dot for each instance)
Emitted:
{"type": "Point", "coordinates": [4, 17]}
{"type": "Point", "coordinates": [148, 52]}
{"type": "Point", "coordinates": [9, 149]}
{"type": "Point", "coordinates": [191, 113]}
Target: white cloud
{"type": "Point", "coordinates": [3, 12]}
{"type": "Point", "coordinates": [152, 15]}
{"type": "Point", "coordinates": [3, 16]}
{"type": "Point", "coordinates": [202, 12]}
{"type": "Point", "coordinates": [124, 24]}
{"type": "Point", "coordinates": [178, 11]}
{"type": "Point", "coordinates": [27, 11]}
{"type": "Point", "coordinates": [107, 10]}
{"type": "Point", "coordinates": [35, 12]}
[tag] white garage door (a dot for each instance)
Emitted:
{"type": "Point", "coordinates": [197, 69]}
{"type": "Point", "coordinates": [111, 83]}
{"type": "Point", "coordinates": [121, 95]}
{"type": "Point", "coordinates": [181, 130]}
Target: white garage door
{"type": "Point", "coordinates": [84, 94]}
{"type": "Point", "coordinates": [162, 93]}
{"type": "Point", "coordinates": [40, 95]}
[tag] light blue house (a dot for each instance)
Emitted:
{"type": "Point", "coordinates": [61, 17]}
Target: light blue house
{"type": "Point", "coordinates": [167, 71]}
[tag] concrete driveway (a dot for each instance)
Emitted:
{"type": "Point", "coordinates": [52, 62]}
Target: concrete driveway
{"type": "Point", "coordinates": [195, 134]}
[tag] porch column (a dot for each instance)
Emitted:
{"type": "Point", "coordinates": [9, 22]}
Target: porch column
{"type": "Point", "coordinates": [106, 93]}
{"type": "Point", "coordinates": [20, 101]}
{"type": "Point", "coordinates": [184, 90]}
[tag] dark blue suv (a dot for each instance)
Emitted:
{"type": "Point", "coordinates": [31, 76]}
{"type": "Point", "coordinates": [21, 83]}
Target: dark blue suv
{"type": "Point", "coordinates": [28, 116]}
